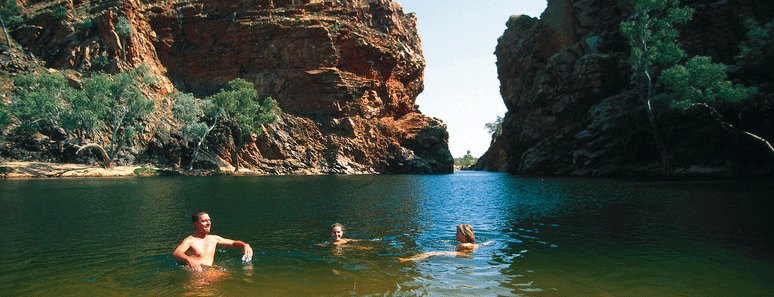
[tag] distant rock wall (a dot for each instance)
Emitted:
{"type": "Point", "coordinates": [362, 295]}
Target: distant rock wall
{"type": "Point", "coordinates": [571, 110]}
{"type": "Point", "coordinates": [346, 74]}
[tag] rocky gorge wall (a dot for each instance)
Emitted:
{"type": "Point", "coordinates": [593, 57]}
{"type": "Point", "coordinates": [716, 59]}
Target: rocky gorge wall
{"type": "Point", "coordinates": [345, 73]}
{"type": "Point", "coordinates": [572, 110]}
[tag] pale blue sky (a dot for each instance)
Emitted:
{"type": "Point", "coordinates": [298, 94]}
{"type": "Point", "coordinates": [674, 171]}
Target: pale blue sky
{"type": "Point", "coordinates": [461, 86]}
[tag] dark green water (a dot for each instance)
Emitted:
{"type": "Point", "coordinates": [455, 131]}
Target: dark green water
{"type": "Point", "coordinates": [551, 236]}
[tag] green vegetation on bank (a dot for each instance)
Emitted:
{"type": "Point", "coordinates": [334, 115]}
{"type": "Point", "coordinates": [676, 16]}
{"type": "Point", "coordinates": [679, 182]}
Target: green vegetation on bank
{"type": "Point", "coordinates": [105, 113]}
{"type": "Point", "coordinates": [237, 105]}
{"type": "Point", "coordinates": [109, 110]}
{"type": "Point", "coordinates": [466, 161]}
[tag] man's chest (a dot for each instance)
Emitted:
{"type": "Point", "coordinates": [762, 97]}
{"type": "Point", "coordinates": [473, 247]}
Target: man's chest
{"type": "Point", "coordinates": [203, 246]}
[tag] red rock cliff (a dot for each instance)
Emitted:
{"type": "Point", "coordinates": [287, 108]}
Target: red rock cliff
{"type": "Point", "coordinates": [571, 109]}
{"type": "Point", "coordinates": [346, 74]}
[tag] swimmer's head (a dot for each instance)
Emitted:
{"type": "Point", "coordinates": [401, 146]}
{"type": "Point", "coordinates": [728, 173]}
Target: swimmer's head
{"type": "Point", "coordinates": [337, 232]}
{"type": "Point", "coordinates": [202, 223]}
{"type": "Point", "coordinates": [465, 233]}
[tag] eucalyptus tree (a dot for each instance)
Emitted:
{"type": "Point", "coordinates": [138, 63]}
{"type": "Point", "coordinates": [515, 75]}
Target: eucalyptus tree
{"type": "Point", "coordinates": [195, 113]}
{"type": "Point", "coordinates": [40, 99]}
{"type": "Point", "coordinates": [121, 106]}
{"type": "Point", "coordinates": [239, 103]}
{"type": "Point", "coordinates": [652, 36]}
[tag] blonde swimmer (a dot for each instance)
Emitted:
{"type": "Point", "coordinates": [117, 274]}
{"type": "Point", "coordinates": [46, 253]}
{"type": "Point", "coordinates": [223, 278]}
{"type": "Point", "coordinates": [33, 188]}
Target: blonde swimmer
{"type": "Point", "coordinates": [467, 240]}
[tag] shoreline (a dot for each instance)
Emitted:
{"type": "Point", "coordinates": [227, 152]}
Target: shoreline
{"type": "Point", "coordinates": [38, 169]}
{"type": "Point", "coordinates": [31, 169]}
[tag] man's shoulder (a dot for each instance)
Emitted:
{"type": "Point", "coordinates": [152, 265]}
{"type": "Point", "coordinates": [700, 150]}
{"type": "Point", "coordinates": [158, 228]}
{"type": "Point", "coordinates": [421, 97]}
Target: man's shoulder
{"type": "Point", "coordinates": [213, 237]}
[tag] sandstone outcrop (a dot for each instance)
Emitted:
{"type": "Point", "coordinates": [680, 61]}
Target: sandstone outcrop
{"type": "Point", "coordinates": [345, 73]}
{"type": "Point", "coordinates": [571, 109]}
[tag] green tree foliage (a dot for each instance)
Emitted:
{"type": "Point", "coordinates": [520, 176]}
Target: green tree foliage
{"type": "Point", "coordinates": [124, 28]}
{"type": "Point", "coordinates": [703, 84]}
{"type": "Point", "coordinates": [59, 13]}
{"type": "Point", "coordinates": [466, 161]}
{"type": "Point", "coordinates": [757, 53]}
{"type": "Point", "coordinates": [652, 36]}
{"type": "Point", "coordinates": [106, 103]}
{"type": "Point", "coordinates": [239, 103]}
{"type": "Point", "coordinates": [193, 112]}
{"type": "Point", "coordinates": [88, 111]}
{"type": "Point", "coordinates": [41, 100]}
{"type": "Point", "coordinates": [126, 109]}
{"type": "Point", "coordinates": [495, 128]}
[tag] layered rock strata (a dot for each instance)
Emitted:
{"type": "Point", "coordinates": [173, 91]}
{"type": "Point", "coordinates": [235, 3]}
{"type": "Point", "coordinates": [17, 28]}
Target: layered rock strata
{"type": "Point", "coordinates": [345, 73]}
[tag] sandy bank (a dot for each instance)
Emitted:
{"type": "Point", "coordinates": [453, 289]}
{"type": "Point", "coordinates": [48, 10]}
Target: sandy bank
{"type": "Point", "coordinates": [41, 169]}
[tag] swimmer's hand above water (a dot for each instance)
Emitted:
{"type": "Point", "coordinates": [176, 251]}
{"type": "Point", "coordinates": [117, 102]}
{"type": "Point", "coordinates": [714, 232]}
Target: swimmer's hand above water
{"type": "Point", "coordinates": [246, 259]}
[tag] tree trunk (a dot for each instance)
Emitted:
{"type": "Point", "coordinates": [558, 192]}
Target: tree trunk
{"type": "Point", "coordinates": [728, 126]}
{"type": "Point", "coordinates": [646, 97]}
{"type": "Point", "coordinates": [5, 31]}
{"type": "Point", "coordinates": [199, 145]}
{"type": "Point", "coordinates": [238, 140]}
{"type": "Point", "coordinates": [107, 161]}
{"type": "Point", "coordinates": [657, 137]}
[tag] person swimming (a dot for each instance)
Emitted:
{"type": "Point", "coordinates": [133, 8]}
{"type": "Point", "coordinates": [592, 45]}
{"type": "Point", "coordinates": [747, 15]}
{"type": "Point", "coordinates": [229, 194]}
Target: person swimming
{"type": "Point", "coordinates": [337, 236]}
{"type": "Point", "coordinates": [464, 235]}
{"type": "Point", "coordinates": [198, 250]}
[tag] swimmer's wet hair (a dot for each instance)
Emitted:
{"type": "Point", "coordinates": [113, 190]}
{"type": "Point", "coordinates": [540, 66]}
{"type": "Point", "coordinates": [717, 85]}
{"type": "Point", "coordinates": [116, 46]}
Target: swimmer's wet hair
{"type": "Point", "coordinates": [195, 216]}
{"type": "Point", "coordinates": [334, 225]}
{"type": "Point", "coordinates": [467, 231]}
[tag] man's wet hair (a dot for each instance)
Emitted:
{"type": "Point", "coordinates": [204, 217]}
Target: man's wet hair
{"type": "Point", "coordinates": [195, 217]}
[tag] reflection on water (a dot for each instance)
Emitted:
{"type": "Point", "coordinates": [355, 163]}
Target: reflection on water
{"type": "Point", "coordinates": [551, 236]}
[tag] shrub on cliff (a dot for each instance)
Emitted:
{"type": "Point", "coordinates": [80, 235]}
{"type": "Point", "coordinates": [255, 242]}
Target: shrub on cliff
{"type": "Point", "coordinates": [239, 103]}
{"type": "Point", "coordinates": [495, 128]}
{"type": "Point", "coordinates": [656, 59]}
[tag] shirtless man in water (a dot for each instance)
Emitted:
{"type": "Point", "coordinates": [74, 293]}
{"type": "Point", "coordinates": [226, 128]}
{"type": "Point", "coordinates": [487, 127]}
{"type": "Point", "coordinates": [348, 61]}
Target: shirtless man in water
{"type": "Point", "coordinates": [198, 250]}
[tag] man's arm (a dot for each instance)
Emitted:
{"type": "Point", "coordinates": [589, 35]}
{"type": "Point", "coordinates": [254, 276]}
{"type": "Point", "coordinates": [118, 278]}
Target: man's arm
{"type": "Point", "coordinates": [181, 256]}
{"type": "Point", "coordinates": [237, 244]}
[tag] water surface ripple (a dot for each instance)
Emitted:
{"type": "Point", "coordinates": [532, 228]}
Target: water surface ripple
{"type": "Point", "coordinates": [549, 236]}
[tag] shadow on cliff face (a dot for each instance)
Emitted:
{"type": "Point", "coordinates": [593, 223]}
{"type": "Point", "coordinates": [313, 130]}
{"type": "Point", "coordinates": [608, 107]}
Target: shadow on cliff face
{"type": "Point", "coordinates": [572, 111]}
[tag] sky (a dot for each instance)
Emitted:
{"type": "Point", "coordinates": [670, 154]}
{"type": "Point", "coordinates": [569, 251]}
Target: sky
{"type": "Point", "coordinates": [461, 86]}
